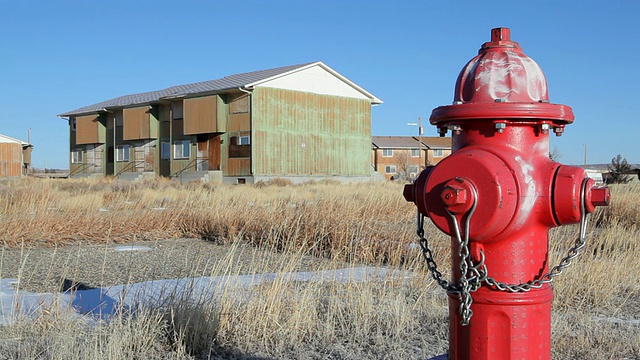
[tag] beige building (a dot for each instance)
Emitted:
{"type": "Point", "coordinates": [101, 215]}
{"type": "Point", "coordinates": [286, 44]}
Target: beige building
{"type": "Point", "coordinates": [404, 156]}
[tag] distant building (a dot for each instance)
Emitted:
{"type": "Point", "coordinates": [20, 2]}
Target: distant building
{"type": "Point", "coordinates": [601, 174]}
{"type": "Point", "coordinates": [15, 157]}
{"type": "Point", "coordinates": [299, 122]}
{"type": "Point", "coordinates": [404, 156]}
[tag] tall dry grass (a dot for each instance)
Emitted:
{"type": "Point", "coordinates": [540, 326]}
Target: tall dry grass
{"type": "Point", "coordinates": [363, 222]}
{"type": "Point", "coordinates": [401, 316]}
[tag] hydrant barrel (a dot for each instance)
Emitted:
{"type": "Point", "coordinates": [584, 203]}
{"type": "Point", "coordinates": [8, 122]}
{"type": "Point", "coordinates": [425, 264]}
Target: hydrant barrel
{"type": "Point", "coordinates": [497, 195]}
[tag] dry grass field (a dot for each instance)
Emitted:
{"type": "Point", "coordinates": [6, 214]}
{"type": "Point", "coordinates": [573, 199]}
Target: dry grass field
{"type": "Point", "coordinates": [402, 316]}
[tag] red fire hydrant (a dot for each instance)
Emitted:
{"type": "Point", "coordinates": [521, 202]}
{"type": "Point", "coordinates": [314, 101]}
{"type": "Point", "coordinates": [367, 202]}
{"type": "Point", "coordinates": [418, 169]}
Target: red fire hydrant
{"type": "Point", "coordinates": [497, 196]}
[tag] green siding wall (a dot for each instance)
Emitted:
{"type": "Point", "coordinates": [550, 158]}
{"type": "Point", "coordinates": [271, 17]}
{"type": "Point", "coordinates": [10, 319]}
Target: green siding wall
{"type": "Point", "coordinates": [297, 133]}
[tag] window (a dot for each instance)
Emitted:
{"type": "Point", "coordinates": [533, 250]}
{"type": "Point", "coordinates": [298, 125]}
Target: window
{"type": "Point", "coordinates": [122, 153]}
{"type": "Point", "coordinates": [412, 169]}
{"type": "Point", "coordinates": [239, 146]}
{"type": "Point", "coordinates": [165, 150]}
{"type": "Point", "coordinates": [244, 140]}
{"type": "Point", "coordinates": [387, 153]}
{"type": "Point", "coordinates": [181, 149]}
{"type": "Point", "coordinates": [76, 156]}
{"type": "Point", "coordinates": [240, 140]}
{"type": "Point", "coordinates": [415, 152]}
{"type": "Point", "coordinates": [390, 169]}
{"type": "Point", "coordinates": [438, 153]}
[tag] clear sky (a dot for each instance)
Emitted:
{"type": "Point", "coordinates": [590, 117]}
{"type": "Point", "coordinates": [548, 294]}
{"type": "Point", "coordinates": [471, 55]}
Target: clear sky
{"type": "Point", "coordinates": [56, 56]}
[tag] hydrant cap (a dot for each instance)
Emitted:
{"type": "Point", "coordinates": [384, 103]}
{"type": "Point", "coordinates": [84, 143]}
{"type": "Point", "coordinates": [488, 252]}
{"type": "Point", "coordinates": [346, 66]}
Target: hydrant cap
{"type": "Point", "coordinates": [501, 72]}
{"type": "Point", "coordinates": [502, 82]}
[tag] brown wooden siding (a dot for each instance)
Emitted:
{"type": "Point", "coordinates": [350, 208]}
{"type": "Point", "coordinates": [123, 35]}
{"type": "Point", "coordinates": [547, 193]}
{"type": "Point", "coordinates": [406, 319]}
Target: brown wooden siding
{"type": "Point", "coordinates": [239, 167]}
{"type": "Point", "coordinates": [136, 123]}
{"type": "Point", "coordinates": [10, 159]}
{"type": "Point", "coordinates": [87, 129]}
{"type": "Point", "coordinates": [239, 122]}
{"type": "Point", "coordinates": [200, 115]}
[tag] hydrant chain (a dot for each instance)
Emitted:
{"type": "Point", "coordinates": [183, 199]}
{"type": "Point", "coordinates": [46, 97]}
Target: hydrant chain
{"type": "Point", "coordinates": [428, 257]}
{"type": "Point", "coordinates": [473, 275]}
{"type": "Point", "coordinates": [566, 261]}
{"type": "Point", "coordinates": [467, 283]}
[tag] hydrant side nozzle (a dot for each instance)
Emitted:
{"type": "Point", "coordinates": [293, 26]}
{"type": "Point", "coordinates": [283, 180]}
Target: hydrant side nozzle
{"type": "Point", "coordinates": [567, 193]}
{"type": "Point", "coordinates": [416, 191]}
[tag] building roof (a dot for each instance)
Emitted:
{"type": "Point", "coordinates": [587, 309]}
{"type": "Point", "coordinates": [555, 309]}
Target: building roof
{"type": "Point", "coordinates": [394, 142]}
{"type": "Point", "coordinates": [9, 139]}
{"type": "Point", "coordinates": [410, 142]}
{"type": "Point", "coordinates": [436, 142]}
{"type": "Point", "coordinates": [244, 80]}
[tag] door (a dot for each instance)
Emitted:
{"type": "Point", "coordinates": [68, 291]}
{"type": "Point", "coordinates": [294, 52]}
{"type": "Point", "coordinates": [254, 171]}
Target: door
{"type": "Point", "coordinates": [214, 152]}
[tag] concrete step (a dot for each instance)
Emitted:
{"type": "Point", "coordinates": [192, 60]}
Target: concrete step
{"type": "Point", "coordinates": [201, 176]}
{"type": "Point", "coordinates": [135, 176]}
{"type": "Point", "coordinates": [189, 176]}
{"type": "Point", "coordinates": [86, 175]}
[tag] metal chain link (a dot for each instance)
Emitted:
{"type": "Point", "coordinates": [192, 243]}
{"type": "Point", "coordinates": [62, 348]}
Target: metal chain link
{"type": "Point", "coordinates": [557, 270]}
{"type": "Point", "coordinates": [473, 275]}
{"type": "Point", "coordinates": [428, 257]}
{"type": "Point", "coordinates": [466, 283]}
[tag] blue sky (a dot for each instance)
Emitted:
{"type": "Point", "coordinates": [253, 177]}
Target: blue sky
{"type": "Point", "coordinates": [57, 56]}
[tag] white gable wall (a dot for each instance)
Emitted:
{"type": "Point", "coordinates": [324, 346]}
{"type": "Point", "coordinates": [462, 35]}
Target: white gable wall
{"type": "Point", "coordinates": [7, 139]}
{"type": "Point", "coordinates": [315, 80]}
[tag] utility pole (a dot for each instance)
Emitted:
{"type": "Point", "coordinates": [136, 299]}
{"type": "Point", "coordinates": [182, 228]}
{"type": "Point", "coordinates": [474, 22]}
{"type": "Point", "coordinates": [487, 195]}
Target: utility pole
{"type": "Point", "coordinates": [420, 131]}
{"type": "Point", "coordinates": [585, 156]}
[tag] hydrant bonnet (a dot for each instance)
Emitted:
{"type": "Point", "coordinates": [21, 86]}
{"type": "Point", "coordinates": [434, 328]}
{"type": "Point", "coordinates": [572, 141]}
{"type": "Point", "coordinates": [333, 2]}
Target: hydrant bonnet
{"type": "Point", "coordinates": [501, 82]}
